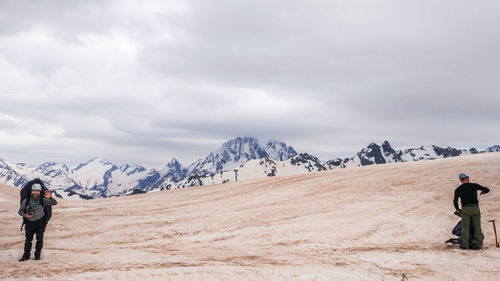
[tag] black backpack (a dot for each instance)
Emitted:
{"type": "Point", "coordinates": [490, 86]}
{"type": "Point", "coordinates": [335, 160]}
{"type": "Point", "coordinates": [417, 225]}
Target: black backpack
{"type": "Point", "coordinates": [25, 193]}
{"type": "Point", "coordinates": [457, 231]}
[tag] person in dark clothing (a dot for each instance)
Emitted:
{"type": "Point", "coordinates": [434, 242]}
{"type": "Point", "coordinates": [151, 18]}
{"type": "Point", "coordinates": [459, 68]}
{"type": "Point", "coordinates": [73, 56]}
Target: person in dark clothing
{"type": "Point", "coordinates": [32, 209]}
{"type": "Point", "coordinates": [470, 213]}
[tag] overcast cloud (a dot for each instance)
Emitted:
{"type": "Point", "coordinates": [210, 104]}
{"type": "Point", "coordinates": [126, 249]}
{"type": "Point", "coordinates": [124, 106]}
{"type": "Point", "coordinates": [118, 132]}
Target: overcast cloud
{"type": "Point", "coordinates": [145, 81]}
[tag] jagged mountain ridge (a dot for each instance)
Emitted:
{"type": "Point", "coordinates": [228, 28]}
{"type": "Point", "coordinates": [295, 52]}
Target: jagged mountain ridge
{"type": "Point", "coordinates": [494, 148]}
{"type": "Point", "coordinates": [90, 179]}
{"type": "Point", "coordinates": [252, 169]}
{"type": "Point", "coordinates": [10, 176]}
{"type": "Point", "coordinates": [381, 154]}
{"type": "Point", "coordinates": [237, 159]}
{"type": "Point", "coordinates": [236, 152]}
{"type": "Point", "coordinates": [100, 178]}
{"type": "Point", "coordinates": [229, 156]}
{"type": "Point", "coordinates": [373, 154]}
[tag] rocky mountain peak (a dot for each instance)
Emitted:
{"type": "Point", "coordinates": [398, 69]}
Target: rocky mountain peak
{"type": "Point", "coordinates": [387, 148]}
{"type": "Point", "coordinates": [238, 151]}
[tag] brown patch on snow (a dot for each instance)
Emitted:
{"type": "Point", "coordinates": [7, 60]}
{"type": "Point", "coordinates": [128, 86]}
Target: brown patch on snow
{"type": "Point", "coordinates": [368, 223]}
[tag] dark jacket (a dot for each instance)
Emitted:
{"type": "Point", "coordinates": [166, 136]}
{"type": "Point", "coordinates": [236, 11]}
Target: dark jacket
{"type": "Point", "coordinates": [467, 193]}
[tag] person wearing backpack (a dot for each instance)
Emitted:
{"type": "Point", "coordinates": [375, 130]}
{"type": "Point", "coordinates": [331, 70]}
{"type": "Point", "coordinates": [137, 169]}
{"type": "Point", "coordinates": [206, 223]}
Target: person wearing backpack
{"type": "Point", "coordinates": [34, 210]}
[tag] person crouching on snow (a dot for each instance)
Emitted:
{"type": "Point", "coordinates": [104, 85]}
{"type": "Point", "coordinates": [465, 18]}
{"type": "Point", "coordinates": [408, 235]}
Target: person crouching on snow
{"type": "Point", "coordinates": [32, 209]}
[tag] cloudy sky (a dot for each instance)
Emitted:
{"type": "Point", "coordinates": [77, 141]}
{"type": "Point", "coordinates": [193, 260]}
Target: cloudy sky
{"type": "Point", "coordinates": [145, 81]}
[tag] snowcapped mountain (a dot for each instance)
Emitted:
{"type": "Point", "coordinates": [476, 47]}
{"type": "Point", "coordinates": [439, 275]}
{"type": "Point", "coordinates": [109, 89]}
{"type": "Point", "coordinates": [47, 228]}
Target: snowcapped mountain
{"type": "Point", "coordinates": [381, 154]}
{"type": "Point", "coordinates": [304, 163]}
{"type": "Point", "coordinates": [101, 178]}
{"type": "Point", "coordinates": [125, 178]}
{"type": "Point", "coordinates": [307, 162]}
{"type": "Point", "coordinates": [54, 174]}
{"type": "Point", "coordinates": [148, 181]}
{"type": "Point", "coordinates": [173, 172]}
{"type": "Point", "coordinates": [92, 179]}
{"type": "Point", "coordinates": [236, 152]}
{"type": "Point", "coordinates": [9, 175]}
{"type": "Point", "coordinates": [494, 148]}
{"type": "Point", "coordinates": [237, 159]}
{"type": "Point", "coordinates": [255, 168]}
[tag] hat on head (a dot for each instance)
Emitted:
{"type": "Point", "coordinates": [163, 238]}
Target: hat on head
{"type": "Point", "coordinates": [36, 186]}
{"type": "Point", "coordinates": [463, 176]}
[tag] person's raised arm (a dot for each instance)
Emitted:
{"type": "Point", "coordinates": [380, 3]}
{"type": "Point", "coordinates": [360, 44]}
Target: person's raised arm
{"type": "Point", "coordinates": [48, 199]}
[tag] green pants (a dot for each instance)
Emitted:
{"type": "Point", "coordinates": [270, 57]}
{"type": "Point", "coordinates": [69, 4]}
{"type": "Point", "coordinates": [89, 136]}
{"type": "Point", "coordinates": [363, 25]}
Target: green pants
{"type": "Point", "coordinates": [471, 215]}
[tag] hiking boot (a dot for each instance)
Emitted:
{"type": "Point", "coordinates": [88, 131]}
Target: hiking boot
{"type": "Point", "coordinates": [37, 257]}
{"type": "Point", "coordinates": [24, 258]}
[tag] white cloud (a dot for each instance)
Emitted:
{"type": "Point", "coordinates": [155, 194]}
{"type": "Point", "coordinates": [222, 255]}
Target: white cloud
{"type": "Point", "coordinates": [143, 83]}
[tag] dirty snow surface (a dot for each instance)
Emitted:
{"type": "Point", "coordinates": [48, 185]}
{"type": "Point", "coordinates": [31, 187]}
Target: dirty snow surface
{"type": "Point", "coordinates": [368, 223]}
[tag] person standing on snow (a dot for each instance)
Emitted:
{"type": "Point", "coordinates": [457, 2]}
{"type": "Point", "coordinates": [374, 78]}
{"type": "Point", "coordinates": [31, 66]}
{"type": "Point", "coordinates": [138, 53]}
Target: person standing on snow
{"type": "Point", "coordinates": [470, 213]}
{"type": "Point", "coordinates": [32, 209]}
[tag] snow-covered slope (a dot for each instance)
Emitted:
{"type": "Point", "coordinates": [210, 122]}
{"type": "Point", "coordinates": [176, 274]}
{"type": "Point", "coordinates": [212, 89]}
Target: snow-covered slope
{"type": "Point", "coordinates": [94, 176]}
{"type": "Point", "coordinates": [101, 178]}
{"type": "Point", "coordinates": [369, 223]}
{"type": "Point", "coordinates": [122, 179]}
{"type": "Point", "coordinates": [9, 175]}
{"type": "Point", "coordinates": [55, 175]}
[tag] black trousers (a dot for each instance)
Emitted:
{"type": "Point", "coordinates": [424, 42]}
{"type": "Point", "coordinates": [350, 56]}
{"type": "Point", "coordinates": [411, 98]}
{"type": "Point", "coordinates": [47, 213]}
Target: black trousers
{"type": "Point", "coordinates": [32, 228]}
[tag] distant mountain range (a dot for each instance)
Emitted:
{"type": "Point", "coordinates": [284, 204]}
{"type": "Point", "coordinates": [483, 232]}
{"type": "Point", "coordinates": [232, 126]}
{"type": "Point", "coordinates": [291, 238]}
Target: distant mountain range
{"type": "Point", "coordinates": [237, 159]}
